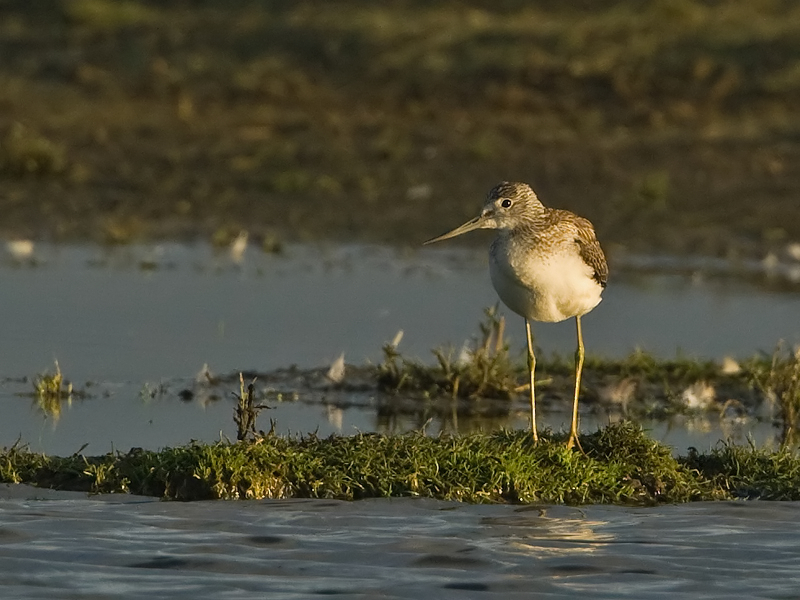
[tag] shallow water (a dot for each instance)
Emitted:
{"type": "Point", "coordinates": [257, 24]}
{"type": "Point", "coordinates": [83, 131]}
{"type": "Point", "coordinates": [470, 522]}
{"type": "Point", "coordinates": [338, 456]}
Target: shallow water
{"type": "Point", "coordinates": [132, 326]}
{"type": "Point", "coordinates": [142, 313]}
{"type": "Point", "coordinates": [128, 547]}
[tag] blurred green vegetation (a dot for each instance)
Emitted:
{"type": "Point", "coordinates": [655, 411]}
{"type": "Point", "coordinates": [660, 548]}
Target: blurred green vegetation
{"type": "Point", "coordinates": [673, 124]}
{"type": "Point", "coordinates": [25, 153]}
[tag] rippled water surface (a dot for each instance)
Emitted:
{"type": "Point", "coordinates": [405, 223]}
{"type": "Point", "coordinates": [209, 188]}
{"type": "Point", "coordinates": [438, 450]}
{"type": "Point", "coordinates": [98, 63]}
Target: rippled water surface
{"type": "Point", "coordinates": [132, 327]}
{"type": "Point", "coordinates": [67, 546]}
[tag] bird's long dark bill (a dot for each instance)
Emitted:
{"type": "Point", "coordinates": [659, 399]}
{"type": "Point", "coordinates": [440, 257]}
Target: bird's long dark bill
{"type": "Point", "coordinates": [476, 223]}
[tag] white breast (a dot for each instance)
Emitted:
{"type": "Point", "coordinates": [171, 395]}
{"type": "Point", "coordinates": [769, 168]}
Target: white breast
{"type": "Point", "coordinates": [544, 285]}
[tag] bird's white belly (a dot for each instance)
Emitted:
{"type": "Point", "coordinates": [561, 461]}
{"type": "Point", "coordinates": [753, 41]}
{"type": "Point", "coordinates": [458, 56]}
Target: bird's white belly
{"type": "Point", "coordinates": [551, 288]}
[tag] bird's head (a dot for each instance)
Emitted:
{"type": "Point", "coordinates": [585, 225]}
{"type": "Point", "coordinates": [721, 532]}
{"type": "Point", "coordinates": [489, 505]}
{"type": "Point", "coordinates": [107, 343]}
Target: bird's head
{"type": "Point", "coordinates": [507, 205]}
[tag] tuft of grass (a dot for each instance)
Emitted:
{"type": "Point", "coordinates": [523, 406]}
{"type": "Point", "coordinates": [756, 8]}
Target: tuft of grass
{"type": "Point", "coordinates": [246, 411]}
{"type": "Point", "coordinates": [24, 152]}
{"type": "Point", "coordinates": [108, 14]}
{"type": "Point", "coordinates": [621, 465]}
{"type": "Point", "coordinates": [780, 382]}
{"type": "Point", "coordinates": [648, 467]}
{"type": "Point", "coordinates": [646, 384]}
{"type": "Point", "coordinates": [651, 193]}
{"type": "Point", "coordinates": [49, 391]}
{"type": "Point", "coordinates": [748, 472]}
{"type": "Point", "coordinates": [485, 371]}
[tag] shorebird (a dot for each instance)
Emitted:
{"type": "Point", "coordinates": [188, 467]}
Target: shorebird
{"type": "Point", "coordinates": [545, 264]}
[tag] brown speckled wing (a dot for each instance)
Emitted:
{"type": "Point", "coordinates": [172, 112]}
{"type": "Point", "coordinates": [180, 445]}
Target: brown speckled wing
{"type": "Point", "coordinates": [591, 252]}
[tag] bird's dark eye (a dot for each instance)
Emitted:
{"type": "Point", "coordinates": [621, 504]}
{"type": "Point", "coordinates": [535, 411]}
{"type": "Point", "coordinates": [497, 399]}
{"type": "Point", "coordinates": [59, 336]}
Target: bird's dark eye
{"type": "Point", "coordinates": [505, 203]}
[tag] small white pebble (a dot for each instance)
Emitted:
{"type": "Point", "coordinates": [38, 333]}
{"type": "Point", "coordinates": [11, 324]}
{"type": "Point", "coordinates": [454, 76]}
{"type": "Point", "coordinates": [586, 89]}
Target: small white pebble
{"type": "Point", "coordinates": [793, 273]}
{"type": "Point", "coordinates": [419, 192]}
{"type": "Point", "coordinates": [398, 337]}
{"type": "Point", "coordinates": [770, 262]}
{"type": "Point", "coordinates": [619, 392]}
{"type": "Point", "coordinates": [204, 375]}
{"type": "Point", "coordinates": [336, 372]}
{"type": "Point", "coordinates": [239, 247]}
{"type": "Point", "coordinates": [699, 395]}
{"type": "Point", "coordinates": [730, 366]}
{"type": "Point", "coordinates": [464, 355]}
{"type": "Point", "coordinates": [793, 250]}
{"type": "Point", "coordinates": [20, 249]}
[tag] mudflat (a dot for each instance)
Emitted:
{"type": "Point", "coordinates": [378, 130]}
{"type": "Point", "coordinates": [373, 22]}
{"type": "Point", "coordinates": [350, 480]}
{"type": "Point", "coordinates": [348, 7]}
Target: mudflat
{"type": "Point", "coordinates": [673, 126]}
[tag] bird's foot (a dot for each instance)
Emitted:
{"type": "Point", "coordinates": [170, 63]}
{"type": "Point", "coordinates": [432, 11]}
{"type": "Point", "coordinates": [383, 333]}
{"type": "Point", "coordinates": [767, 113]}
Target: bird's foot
{"type": "Point", "coordinates": [574, 442]}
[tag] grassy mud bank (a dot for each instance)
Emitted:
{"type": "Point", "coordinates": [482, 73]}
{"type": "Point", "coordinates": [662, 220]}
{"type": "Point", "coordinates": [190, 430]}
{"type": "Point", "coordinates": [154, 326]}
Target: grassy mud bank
{"type": "Point", "coordinates": [672, 125]}
{"type": "Point", "coordinates": [620, 465]}
{"type": "Point", "coordinates": [637, 386]}
{"type": "Point", "coordinates": [617, 464]}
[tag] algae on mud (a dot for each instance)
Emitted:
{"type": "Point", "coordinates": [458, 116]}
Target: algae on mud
{"type": "Point", "coordinates": [621, 465]}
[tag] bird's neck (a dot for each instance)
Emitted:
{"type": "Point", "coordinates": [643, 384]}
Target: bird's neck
{"type": "Point", "coordinates": [531, 224]}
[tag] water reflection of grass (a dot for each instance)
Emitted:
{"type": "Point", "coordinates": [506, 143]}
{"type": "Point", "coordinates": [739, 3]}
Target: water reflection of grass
{"type": "Point", "coordinates": [50, 392]}
{"type": "Point", "coordinates": [780, 382]}
{"type": "Point", "coordinates": [483, 371]}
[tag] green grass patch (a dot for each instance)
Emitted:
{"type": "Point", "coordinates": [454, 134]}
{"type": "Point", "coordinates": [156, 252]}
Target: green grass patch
{"type": "Point", "coordinates": [108, 14]}
{"type": "Point", "coordinates": [50, 390]}
{"type": "Point", "coordinates": [779, 380]}
{"type": "Point", "coordinates": [640, 384]}
{"type": "Point", "coordinates": [485, 370]}
{"type": "Point", "coordinates": [749, 472]}
{"type": "Point", "coordinates": [24, 153]}
{"type": "Point", "coordinates": [621, 465]}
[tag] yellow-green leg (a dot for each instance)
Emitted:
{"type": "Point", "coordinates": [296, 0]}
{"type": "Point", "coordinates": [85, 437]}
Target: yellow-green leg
{"type": "Point", "coordinates": [531, 369]}
{"type": "Point", "coordinates": [579, 356]}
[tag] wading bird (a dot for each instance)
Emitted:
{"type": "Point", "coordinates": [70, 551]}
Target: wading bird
{"type": "Point", "coordinates": [546, 265]}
